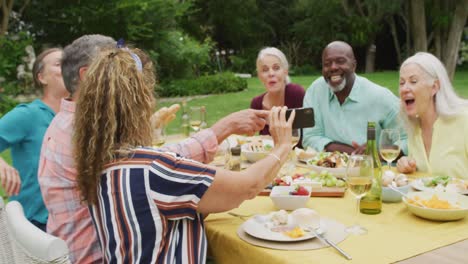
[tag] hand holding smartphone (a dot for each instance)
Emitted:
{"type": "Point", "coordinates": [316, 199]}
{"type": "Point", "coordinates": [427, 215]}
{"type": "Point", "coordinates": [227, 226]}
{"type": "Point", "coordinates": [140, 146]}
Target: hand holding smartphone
{"type": "Point", "coordinates": [304, 117]}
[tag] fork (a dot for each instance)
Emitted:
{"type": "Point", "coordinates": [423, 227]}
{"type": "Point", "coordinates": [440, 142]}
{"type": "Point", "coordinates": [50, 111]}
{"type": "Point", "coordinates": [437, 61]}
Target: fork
{"type": "Point", "coordinates": [256, 147]}
{"type": "Point", "coordinates": [241, 216]}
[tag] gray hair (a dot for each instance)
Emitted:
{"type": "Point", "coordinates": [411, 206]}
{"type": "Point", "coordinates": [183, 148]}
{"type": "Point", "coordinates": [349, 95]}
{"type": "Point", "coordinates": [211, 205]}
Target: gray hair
{"type": "Point", "coordinates": [447, 102]}
{"type": "Point", "coordinates": [278, 54]}
{"type": "Point", "coordinates": [79, 54]}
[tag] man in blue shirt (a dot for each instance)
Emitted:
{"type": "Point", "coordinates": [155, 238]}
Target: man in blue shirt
{"type": "Point", "coordinates": [344, 102]}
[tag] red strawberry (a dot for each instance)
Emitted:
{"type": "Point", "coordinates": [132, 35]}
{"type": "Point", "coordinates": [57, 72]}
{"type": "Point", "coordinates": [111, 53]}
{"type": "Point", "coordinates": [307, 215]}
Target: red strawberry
{"type": "Point", "coordinates": [296, 176]}
{"type": "Point", "coordinates": [301, 190]}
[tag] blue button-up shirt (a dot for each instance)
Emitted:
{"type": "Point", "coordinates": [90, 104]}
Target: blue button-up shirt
{"type": "Point", "coordinates": [347, 122]}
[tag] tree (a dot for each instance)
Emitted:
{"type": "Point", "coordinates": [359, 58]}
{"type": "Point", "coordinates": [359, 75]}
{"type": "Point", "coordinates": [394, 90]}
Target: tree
{"type": "Point", "coordinates": [430, 33]}
{"type": "Point", "coordinates": [367, 18]}
{"type": "Point", "coordinates": [418, 25]}
{"type": "Point", "coordinates": [152, 25]}
{"type": "Point", "coordinates": [455, 33]}
{"type": "Point", "coordinates": [6, 6]}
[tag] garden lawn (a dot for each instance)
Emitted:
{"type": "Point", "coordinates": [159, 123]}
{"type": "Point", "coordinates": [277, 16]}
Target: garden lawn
{"type": "Point", "coordinates": [221, 105]}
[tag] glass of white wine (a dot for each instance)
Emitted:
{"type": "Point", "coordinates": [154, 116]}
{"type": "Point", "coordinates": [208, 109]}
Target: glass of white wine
{"type": "Point", "coordinates": [359, 175]}
{"type": "Point", "coordinates": [388, 145]}
{"type": "Point", "coordinates": [296, 135]}
{"type": "Point", "coordinates": [159, 136]}
{"type": "Point", "coordinates": [195, 117]}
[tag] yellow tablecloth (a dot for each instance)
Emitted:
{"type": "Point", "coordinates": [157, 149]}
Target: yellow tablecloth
{"type": "Point", "coordinates": [395, 234]}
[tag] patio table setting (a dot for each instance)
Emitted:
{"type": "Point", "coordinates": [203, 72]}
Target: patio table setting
{"type": "Point", "coordinates": [396, 234]}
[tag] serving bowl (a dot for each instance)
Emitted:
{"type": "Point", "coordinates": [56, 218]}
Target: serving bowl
{"type": "Point", "coordinates": [255, 151]}
{"type": "Point", "coordinates": [438, 214]}
{"type": "Point", "coordinates": [283, 199]}
{"type": "Point", "coordinates": [391, 196]}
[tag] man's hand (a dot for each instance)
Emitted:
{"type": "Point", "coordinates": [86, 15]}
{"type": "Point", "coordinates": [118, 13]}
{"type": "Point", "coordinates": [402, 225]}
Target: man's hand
{"type": "Point", "coordinates": [406, 165]}
{"type": "Point", "coordinates": [247, 122]}
{"type": "Point", "coordinates": [164, 116]}
{"type": "Point", "coordinates": [359, 149]}
{"type": "Point", "coordinates": [9, 178]}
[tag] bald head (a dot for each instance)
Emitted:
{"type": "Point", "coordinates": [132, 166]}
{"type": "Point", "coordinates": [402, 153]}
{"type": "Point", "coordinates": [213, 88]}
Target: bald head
{"type": "Point", "coordinates": [340, 46]}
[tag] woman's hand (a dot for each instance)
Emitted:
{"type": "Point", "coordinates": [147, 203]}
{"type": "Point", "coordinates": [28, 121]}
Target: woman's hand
{"type": "Point", "coordinates": [406, 165]}
{"type": "Point", "coordinates": [280, 128]}
{"type": "Point", "coordinates": [9, 178]}
{"type": "Point", "coordinates": [164, 116]}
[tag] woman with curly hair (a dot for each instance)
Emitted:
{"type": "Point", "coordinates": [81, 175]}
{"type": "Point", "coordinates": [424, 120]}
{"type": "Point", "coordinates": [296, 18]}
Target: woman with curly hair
{"type": "Point", "coordinates": [148, 204]}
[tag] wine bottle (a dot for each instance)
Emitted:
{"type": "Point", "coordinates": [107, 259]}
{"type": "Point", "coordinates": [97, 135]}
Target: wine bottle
{"type": "Point", "coordinates": [185, 120]}
{"type": "Point", "coordinates": [371, 203]}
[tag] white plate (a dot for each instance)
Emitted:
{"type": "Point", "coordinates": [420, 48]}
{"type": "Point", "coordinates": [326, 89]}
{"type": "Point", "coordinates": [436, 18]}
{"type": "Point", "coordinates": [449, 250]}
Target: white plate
{"type": "Point", "coordinates": [258, 229]}
{"type": "Point", "coordinates": [418, 184]}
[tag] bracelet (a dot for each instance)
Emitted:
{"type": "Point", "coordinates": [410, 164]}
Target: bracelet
{"type": "Point", "coordinates": [275, 156]}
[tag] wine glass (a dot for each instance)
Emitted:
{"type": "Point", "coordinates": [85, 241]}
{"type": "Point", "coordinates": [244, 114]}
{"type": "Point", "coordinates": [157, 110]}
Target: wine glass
{"type": "Point", "coordinates": [159, 136]}
{"type": "Point", "coordinates": [195, 117]}
{"type": "Point", "coordinates": [359, 175]}
{"type": "Point", "coordinates": [388, 145]}
{"type": "Point", "coordinates": [296, 135]}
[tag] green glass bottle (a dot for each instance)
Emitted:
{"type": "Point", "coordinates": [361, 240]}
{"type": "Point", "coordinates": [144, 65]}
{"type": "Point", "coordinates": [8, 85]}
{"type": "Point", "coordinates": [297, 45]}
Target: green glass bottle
{"type": "Point", "coordinates": [371, 203]}
{"type": "Point", "coordinates": [185, 120]}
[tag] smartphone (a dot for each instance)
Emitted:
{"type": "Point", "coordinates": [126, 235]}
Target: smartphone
{"type": "Point", "coordinates": [304, 117]}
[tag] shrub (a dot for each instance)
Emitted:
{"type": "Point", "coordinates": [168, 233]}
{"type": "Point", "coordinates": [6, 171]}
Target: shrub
{"type": "Point", "coordinates": [210, 84]}
{"type": "Point", "coordinates": [6, 104]}
{"type": "Point", "coordinates": [13, 50]}
{"type": "Point", "coordinates": [305, 69]}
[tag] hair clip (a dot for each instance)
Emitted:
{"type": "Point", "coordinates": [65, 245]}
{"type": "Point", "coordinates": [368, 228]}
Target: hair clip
{"type": "Point", "coordinates": [138, 64]}
{"type": "Point", "coordinates": [120, 43]}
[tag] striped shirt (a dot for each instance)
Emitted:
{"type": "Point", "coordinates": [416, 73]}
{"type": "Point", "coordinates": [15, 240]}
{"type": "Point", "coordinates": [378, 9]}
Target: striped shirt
{"type": "Point", "coordinates": [69, 219]}
{"type": "Point", "coordinates": [146, 209]}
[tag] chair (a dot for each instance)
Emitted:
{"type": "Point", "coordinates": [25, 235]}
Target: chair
{"type": "Point", "coordinates": [28, 243]}
{"type": "Point", "coordinates": [6, 250]}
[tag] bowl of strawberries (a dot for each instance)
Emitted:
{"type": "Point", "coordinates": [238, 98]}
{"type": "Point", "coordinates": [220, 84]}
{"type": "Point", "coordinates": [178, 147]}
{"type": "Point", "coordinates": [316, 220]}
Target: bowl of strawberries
{"type": "Point", "coordinates": [290, 197]}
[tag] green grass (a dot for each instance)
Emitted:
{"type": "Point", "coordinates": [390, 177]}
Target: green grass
{"type": "Point", "coordinates": [221, 105]}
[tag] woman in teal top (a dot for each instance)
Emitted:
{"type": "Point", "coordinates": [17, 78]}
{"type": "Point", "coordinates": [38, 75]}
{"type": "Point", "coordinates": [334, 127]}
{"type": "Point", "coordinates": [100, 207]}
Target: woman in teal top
{"type": "Point", "coordinates": [22, 130]}
{"type": "Point", "coordinates": [436, 119]}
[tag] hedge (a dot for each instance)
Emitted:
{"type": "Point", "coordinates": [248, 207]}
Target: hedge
{"type": "Point", "coordinates": [210, 84]}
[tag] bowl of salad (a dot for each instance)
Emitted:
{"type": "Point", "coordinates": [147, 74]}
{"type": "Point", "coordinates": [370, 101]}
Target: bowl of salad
{"type": "Point", "coordinates": [257, 150]}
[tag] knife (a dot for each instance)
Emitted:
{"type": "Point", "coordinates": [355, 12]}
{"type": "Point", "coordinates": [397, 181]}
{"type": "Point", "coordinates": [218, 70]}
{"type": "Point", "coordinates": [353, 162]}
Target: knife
{"type": "Point", "coordinates": [319, 235]}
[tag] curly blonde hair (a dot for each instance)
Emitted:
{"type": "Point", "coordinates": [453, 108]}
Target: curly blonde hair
{"type": "Point", "coordinates": [112, 115]}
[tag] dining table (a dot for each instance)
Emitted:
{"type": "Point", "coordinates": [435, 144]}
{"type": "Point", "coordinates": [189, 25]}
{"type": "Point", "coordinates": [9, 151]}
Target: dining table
{"type": "Point", "coordinates": [394, 236]}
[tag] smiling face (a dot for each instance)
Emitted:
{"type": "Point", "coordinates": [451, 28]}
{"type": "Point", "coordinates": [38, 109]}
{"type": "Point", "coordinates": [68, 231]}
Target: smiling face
{"type": "Point", "coordinates": [271, 73]}
{"type": "Point", "coordinates": [338, 66]}
{"type": "Point", "coordinates": [51, 73]}
{"type": "Point", "coordinates": [417, 90]}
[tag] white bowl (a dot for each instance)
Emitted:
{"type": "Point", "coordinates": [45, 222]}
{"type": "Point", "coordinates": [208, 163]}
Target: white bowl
{"type": "Point", "coordinates": [281, 197]}
{"type": "Point", "coordinates": [439, 214]}
{"type": "Point", "coordinates": [391, 196]}
{"type": "Point", "coordinates": [254, 156]}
